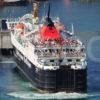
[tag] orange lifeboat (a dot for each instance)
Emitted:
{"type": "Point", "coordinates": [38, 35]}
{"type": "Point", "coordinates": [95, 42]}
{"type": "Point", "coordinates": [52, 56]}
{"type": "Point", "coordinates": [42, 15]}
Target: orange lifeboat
{"type": "Point", "coordinates": [20, 26]}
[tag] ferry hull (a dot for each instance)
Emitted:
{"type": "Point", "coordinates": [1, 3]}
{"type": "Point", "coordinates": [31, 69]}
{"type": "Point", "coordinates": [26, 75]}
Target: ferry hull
{"type": "Point", "coordinates": [64, 79]}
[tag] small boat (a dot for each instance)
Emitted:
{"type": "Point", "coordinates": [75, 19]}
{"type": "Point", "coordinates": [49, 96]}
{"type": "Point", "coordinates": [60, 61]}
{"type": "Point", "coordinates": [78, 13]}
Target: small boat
{"type": "Point", "coordinates": [13, 2]}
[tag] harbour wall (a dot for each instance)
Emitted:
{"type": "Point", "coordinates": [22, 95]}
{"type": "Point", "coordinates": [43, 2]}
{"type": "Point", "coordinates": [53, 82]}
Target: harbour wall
{"type": "Point", "coordinates": [5, 43]}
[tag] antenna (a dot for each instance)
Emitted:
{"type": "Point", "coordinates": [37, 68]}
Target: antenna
{"type": "Point", "coordinates": [44, 8]}
{"type": "Point", "coordinates": [72, 29]}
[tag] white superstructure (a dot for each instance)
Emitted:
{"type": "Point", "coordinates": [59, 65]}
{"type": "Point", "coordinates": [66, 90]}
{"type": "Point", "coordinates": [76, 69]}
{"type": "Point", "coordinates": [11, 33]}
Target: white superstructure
{"type": "Point", "coordinates": [47, 54]}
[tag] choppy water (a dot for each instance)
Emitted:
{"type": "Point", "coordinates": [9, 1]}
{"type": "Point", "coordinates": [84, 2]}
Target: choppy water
{"type": "Point", "coordinates": [86, 19]}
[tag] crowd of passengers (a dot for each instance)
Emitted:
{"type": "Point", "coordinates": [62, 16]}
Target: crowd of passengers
{"type": "Point", "coordinates": [56, 43]}
{"type": "Point", "coordinates": [58, 52]}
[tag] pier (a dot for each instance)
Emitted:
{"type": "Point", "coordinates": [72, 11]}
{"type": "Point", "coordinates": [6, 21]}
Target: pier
{"type": "Point", "coordinates": [5, 43]}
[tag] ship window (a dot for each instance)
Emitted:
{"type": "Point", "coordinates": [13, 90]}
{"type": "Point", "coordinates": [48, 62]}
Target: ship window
{"type": "Point", "coordinates": [35, 51]}
{"type": "Point", "coordinates": [78, 60]}
{"type": "Point", "coordinates": [57, 50]}
{"type": "Point", "coordinates": [50, 50]}
{"type": "Point", "coordinates": [82, 50]}
{"type": "Point", "coordinates": [63, 49]}
{"type": "Point", "coordinates": [60, 60]}
{"type": "Point", "coordinates": [51, 60]}
{"type": "Point", "coordinates": [67, 50]}
{"type": "Point", "coordinates": [69, 60]}
{"type": "Point", "coordinates": [45, 50]}
{"type": "Point", "coordinates": [10, 24]}
{"type": "Point", "coordinates": [71, 50]}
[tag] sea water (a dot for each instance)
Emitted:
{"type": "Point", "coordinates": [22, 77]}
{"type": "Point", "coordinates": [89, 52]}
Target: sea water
{"type": "Point", "coordinates": [85, 17]}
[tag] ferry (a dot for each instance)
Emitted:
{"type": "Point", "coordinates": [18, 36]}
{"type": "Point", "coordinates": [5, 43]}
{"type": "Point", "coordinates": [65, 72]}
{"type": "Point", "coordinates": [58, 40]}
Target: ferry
{"type": "Point", "coordinates": [52, 58]}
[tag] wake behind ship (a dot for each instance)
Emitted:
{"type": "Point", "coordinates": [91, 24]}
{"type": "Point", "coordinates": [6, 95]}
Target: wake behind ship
{"type": "Point", "coordinates": [49, 56]}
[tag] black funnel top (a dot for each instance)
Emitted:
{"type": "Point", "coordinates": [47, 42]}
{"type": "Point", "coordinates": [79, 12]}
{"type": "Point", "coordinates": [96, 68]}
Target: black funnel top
{"type": "Point", "coordinates": [49, 11]}
{"type": "Point", "coordinates": [48, 19]}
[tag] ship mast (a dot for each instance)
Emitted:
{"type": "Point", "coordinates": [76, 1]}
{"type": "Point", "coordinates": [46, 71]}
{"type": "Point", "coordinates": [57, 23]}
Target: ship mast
{"type": "Point", "coordinates": [35, 9]}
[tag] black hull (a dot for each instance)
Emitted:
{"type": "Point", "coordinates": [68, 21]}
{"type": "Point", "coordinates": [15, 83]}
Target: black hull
{"type": "Point", "coordinates": [16, 3]}
{"type": "Point", "coordinates": [64, 79]}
